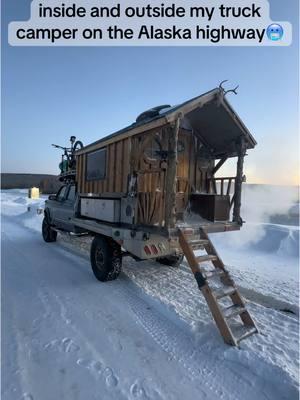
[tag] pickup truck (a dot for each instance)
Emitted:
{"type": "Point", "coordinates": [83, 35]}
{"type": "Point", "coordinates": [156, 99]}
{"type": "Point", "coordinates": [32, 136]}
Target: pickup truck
{"type": "Point", "coordinates": [61, 213]}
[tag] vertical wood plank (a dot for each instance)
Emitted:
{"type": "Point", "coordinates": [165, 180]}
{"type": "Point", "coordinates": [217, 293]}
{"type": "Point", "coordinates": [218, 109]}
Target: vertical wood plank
{"type": "Point", "coordinates": [83, 173]}
{"type": "Point", "coordinates": [118, 166]}
{"type": "Point", "coordinates": [84, 185]}
{"type": "Point", "coordinates": [186, 155]}
{"type": "Point", "coordinates": [140, 183]}
{"type": "Point", "coordinates": [198, 175]}
{"type": "Point", "coordinates": [180, 157]}
{"type": "Point", "coordinates": [111, 175]}
{"type": "Point", "coordinates": [78, 172]}
{"type": "Point", "coordinates": [125, 169]}
{"type": "Point", "coordinates": [191, 160]}
{"type": "Point", "coordinates": [162, 198]}
{"type": "Point", "coordinates": [81, 178]}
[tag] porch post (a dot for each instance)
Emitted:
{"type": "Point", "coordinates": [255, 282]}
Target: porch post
{"type": "Point", "coordinates": [241, 149]}
{"type": "Point", "coordinates": [171, 178]}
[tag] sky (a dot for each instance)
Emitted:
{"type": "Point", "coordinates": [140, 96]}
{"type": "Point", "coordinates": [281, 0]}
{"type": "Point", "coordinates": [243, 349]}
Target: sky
{"type": "Point", "coordinates": [49, 94]}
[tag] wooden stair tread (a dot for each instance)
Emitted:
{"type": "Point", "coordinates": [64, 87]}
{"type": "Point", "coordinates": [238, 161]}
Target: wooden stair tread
{"type": "Point", "coordinates": [200, 242]}
{"type": "Point", "coordinates": [223, 292]}
{"type": "Point", "coordinates": [242, 332]}
{"type": "Point", "coordinates": [213, 273]}
{"type": "Point", "coordinates": [196, 244]}
{"type": "Point", "coordinates": [207, 257]}
{"type": "Point", "coordinates": [233, 311]}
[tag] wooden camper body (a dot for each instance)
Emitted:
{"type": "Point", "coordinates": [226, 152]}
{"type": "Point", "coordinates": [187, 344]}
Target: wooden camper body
{"type": "Point", "coordinates": [152, 169]}
{"type": "Point", "coordinates": [152, 188]}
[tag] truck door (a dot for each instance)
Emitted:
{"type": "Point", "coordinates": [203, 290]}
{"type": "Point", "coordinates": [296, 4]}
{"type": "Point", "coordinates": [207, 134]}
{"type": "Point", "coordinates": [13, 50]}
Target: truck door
{"type": "Point", "coordinates": [56, 205]}
{"type": "Point", "coordinates": [68, 207]}
{"type": "Point", "coordinates": [65, 208]}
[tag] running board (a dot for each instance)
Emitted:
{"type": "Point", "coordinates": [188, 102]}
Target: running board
{"type": "Point", "coordinates": [232, 334]}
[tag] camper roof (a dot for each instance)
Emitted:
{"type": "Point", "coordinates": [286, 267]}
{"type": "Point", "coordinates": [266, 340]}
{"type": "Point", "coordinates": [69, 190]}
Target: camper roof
{"type": "Point", "coordinates": [209, 115]}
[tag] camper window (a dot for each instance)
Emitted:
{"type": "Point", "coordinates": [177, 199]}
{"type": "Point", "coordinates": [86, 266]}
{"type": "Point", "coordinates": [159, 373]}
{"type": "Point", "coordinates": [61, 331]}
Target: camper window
{"type": "Point", "coordinates": [96, 165]}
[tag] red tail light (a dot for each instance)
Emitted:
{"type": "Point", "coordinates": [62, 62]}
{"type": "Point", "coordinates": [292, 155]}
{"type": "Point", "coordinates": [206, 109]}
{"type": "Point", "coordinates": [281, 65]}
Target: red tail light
{"type": "Point", "coordinates": [147, 250]}
{"type": "Point", "coordinates": [154, 249]}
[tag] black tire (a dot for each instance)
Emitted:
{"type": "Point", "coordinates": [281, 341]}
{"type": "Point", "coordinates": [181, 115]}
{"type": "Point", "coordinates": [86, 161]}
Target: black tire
{"type": "Point", "coordinates": [78, 145]}
{"type": "Point", "coordinates": [49, 235]}
{"type": "Point", "coordinates": [171, 261]}
{"type": "Point", "coordinates": [106, 258]}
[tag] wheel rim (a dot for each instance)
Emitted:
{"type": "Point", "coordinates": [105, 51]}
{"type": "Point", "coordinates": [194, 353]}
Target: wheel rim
{"type": "Point", "coordinates": [99, 259]}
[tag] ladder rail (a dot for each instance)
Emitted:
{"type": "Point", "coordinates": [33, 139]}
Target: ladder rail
{"type": "Point", "coordinates": [205, 289]}
{"type": "Point", "coordinates": [235, 297]}
{"type": "Point", "coordinates": [210, 249]}
{"type": "Point", "coordinates": [230, 290]}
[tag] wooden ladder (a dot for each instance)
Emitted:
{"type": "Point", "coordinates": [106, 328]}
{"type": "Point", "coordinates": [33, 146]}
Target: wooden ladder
{"type": "Point", "coordinates": [233, 331]}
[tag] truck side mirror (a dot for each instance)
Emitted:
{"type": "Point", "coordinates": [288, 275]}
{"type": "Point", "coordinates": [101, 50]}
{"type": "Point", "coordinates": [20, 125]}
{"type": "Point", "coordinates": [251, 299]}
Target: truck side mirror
{"type": "Point", "coordinates": [52, 197]}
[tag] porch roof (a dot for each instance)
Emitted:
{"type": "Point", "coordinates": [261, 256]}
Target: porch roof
{"type": "Point", "coordinates": [209, 115]}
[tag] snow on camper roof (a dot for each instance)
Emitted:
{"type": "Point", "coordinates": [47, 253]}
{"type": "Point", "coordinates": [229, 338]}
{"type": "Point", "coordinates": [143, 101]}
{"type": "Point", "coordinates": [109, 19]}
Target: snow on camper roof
{"type": "Point", "coordinates": [209, 115]}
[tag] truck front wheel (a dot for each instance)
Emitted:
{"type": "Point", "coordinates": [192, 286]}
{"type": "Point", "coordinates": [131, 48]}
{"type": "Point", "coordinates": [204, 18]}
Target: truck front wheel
{"type": "Point", "coordinates": [106, 258]}
{"type": "Point", "coordinates": [49, 235]}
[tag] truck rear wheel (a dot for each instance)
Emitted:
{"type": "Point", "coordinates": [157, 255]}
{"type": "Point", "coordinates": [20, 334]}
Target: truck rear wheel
{"type": "Point", "coordinates": [49, 235]}
{"type": "Point", "coordinates": [106, 258]}
{"type": "Point", "coordinates": [172, 261]}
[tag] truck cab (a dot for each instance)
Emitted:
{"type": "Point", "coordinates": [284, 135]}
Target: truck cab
{"type": "Point", "coordinates": [60, 208]}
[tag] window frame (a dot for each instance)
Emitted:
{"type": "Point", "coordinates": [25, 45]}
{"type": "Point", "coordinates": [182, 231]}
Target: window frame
{"type": "Point", "coordinates": [89, 179]}
{"type": "Point", "coordinates": [70, 188]}
{"type": "Point", "coordinates": [65, 188]}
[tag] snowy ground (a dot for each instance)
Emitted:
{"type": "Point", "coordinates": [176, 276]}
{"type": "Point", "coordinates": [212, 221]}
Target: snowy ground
{"type": "Point", "coordinates": [147, 335]}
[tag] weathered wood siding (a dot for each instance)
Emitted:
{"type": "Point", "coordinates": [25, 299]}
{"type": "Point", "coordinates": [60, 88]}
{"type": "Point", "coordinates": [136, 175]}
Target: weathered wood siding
{"type": "Point", "coordinates": [127, 157]}
{"type": "Point", "coordinates": [117, 170]}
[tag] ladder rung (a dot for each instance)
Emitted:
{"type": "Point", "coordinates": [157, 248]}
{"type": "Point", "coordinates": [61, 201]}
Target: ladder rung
{"type": "Point", "coordinates": [208, 257]}
{"type": "Point", "coordinates": [246, 331]}
{"type": "Point", "coordinates": [227, 291]}
{"type": "Point", "coordinates": [233, 311]}
{"type": "Point", "coordinates": [198, 242]}
{"type": "Point", "coordinates": [213, 273]}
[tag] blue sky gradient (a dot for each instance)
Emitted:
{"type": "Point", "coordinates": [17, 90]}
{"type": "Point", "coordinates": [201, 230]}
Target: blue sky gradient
{"type": "Point", "coordinates": [49, 94]}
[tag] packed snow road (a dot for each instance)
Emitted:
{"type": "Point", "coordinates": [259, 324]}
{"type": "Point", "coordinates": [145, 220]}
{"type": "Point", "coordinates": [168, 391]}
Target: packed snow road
{"type": "Point", "coordinates": [147, 335]}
